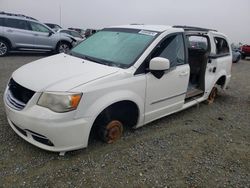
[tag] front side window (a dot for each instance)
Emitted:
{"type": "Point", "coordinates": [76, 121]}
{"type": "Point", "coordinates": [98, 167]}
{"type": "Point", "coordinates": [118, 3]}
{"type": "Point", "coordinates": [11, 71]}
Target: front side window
{"type": "Point", "coordinates": [39, 27]}
{"type": "Point", "coordinates": [16, 23]}
{"type": "Point", "coordinates": [172, 49]}
{"type": "Point", "coordinates": [222, 47]}
{"type": "Point", "coordinates": [1, 22]}
{"type": "Point", "coordinates": [115, 47]}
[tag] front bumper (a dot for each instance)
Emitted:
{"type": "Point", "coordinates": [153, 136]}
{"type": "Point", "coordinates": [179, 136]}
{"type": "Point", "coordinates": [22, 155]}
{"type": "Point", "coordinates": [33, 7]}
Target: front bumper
{"type": "Point", "coordinates": [58, 132]}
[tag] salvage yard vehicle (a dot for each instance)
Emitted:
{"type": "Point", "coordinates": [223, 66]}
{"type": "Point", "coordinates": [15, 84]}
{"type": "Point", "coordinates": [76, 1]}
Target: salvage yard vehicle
{"type": "Point", "coordinates": [74, 34]}
{"type": "Point", "coordinates": [245, 51]}
{"type": "Point", "coordinates": [236, 55]}
{"type": "Point", "coordinates": [79, 30]}
{"type": "Point", "coordinates": [53, 26]}
{"type": "Point", "coordinates": [23, 33]}
{"type": "Point", "coordinates": [121, 76]}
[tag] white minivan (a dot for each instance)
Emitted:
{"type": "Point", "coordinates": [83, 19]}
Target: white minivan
{"type": "Point", "coordinates": [121, 76]}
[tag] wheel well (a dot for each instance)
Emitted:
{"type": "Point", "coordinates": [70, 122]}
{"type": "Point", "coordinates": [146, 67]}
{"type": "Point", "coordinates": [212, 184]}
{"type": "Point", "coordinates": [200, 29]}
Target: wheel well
{"type": "Point", "coordinates": [6, 40]}
{"type": "Point", "coordinates": [221, 81]}
{"type": "Point", "coordinates": [125, 111]}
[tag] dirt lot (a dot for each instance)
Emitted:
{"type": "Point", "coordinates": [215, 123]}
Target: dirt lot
{"type": "Point", "coordinates": [205, 146]}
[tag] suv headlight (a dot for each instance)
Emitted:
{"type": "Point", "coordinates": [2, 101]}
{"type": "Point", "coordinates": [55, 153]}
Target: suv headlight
{"type": "Point", "coordinates": [60, 102]}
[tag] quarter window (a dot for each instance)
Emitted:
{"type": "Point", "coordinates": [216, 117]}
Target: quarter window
{"type": "Point", "coordinates": [15, 23]}
{"type": "Point", "coordinates": [38, 27]}
{"type": "Point", "coordinates": [172, 49]}
{"type": "Point", "coordinates": [222, 47]}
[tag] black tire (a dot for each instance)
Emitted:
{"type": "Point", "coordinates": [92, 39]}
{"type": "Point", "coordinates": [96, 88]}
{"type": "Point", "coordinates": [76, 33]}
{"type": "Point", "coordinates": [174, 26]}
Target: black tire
{"type": "Point", "coordinates": [243, 57]}
{"type": "Point", "coordinates": [4, 48]}
{"type": "Point", "coordinates": [63, 47]}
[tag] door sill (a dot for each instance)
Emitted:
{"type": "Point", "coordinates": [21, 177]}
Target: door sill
{"type": "Point", "coordinates": [193, 93]}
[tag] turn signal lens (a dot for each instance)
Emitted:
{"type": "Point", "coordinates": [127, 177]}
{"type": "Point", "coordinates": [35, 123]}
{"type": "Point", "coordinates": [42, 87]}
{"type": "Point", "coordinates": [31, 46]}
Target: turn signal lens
{"type": "Point", "coordinates": [75, 99]}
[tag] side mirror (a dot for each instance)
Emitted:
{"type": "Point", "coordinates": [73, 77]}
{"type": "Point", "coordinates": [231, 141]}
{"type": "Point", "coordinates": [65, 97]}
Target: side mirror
{"type": "Point", "coordinates": [50, 33]}
{"type": "Point", "coordinates": [159, 64]}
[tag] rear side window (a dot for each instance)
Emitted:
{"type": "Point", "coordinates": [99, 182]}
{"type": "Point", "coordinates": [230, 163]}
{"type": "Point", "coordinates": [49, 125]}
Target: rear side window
{"type": "Point", "coordinates": [198, 42]}
{"type": "Point", "coordinates": [15, 23]}
{"type": "Point", "coordinates": [222, 47]}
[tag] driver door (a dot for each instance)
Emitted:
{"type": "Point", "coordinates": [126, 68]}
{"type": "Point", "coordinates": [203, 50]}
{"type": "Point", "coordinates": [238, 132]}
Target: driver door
{"type": "Point", "coordinates": [42, 36]}
{"type": "Point", "coordinates": [166, 95]}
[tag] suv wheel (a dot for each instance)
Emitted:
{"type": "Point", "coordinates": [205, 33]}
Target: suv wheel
{"type": "Point", "coordinates": [4, 48]}
{"type": "Point", "coordinates": [63, 47]}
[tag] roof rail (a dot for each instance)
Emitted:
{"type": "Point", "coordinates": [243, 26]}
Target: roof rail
{"type": "Point", "coordinates": [18, 15]}
{"type": "Point", "coordinates": [191, 28]}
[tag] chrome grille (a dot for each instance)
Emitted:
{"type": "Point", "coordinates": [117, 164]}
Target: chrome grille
{"type": "Point", "coordinates": [18, 96]}
{"type": "Point", "coordinates": [14, 103]}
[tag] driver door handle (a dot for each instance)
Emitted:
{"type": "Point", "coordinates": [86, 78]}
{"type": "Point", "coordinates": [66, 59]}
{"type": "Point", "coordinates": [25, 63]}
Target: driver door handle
{"type": "Point", "coordinates": [183, 73]}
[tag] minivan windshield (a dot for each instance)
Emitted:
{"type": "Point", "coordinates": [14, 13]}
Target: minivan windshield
{"type": "Point", "coordinates": [115, 47]}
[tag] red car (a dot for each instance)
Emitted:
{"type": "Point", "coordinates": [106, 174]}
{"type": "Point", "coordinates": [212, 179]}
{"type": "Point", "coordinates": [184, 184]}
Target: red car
{"type": "Point", "coordinates": [245, 51]}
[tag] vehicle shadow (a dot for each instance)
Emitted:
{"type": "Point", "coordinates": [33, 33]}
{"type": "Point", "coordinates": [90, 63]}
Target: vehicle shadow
{"type": "Point", "coordinates": [14, 53]}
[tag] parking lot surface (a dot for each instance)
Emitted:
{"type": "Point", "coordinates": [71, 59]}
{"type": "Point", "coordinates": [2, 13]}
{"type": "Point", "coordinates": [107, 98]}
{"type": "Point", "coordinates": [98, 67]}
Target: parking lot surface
{"type": "Point", "coordinates": [203, 146]}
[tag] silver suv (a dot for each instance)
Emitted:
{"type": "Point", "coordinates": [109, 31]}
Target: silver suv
{"type": "Point", "coordinates": [20, 32]}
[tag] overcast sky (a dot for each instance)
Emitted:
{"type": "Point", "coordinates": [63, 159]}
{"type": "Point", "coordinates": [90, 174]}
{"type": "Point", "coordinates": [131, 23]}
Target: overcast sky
{"type": "Point", "coordinates": [228, 16]}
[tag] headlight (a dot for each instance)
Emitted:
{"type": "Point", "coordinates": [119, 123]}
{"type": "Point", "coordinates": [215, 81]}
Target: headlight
{"type": "Point", "coordinates": [60, 102]}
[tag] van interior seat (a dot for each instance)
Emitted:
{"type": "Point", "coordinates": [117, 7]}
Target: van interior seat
{"type": "Point", "coordinates": [197, 56]}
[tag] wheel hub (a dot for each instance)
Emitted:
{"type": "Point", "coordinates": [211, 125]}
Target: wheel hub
{"type": "Point", "coordinates": [212, 95]}
{"type": "Point", "coordinates": [3, 48]}
{"type": "Point", "coordinates": [63, 48]}
{"type": "Point", "coordinates": [114, 131]}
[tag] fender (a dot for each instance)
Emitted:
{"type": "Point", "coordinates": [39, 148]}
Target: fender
{"type": "Point", "coordinates": [211, 84]}
{"type": "Point", "coordinates": [10, 43]}
{"type": "Point", "coordinates": [61, 38]}
{"type": "Point", "coordinates": [105, 101]}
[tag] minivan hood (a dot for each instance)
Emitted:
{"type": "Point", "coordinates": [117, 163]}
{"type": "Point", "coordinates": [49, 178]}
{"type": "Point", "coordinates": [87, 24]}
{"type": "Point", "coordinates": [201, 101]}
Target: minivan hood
{"type": "Point", "coordinates": [60, 73]}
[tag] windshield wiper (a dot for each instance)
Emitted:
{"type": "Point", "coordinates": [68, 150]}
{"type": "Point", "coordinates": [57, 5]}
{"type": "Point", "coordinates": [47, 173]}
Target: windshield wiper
{"type": "Point", "coordinates": [100, 61]}
{"type": "Point", "coordinates": [74, 54]}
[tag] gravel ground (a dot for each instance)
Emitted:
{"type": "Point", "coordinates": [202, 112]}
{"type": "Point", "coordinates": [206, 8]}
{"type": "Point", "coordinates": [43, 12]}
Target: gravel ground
{"type": "Point", "coordinates": [203, 146]}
